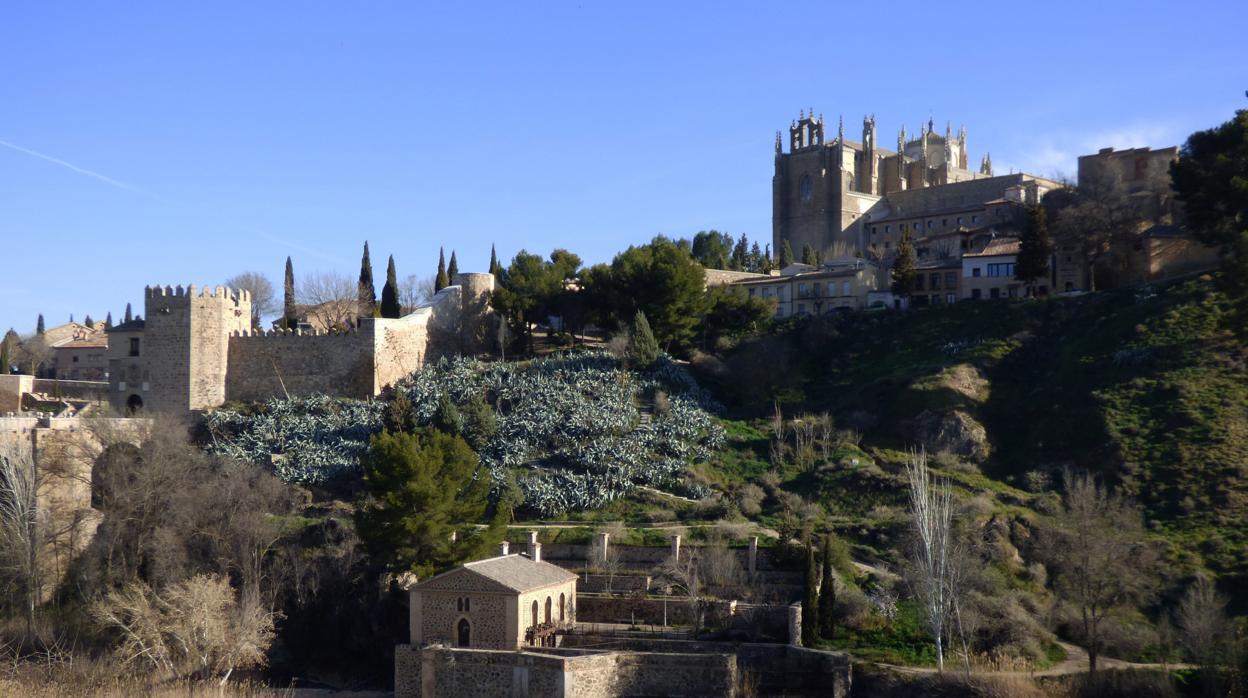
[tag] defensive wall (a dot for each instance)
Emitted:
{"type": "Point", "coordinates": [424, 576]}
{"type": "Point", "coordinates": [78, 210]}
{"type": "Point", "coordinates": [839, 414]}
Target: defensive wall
{"type": "Point", "coordinates": [197, 349]}
{"type": "Point", "coordinates": [62, 454]}
{"type": "Point", "coordinates": [551, 673]}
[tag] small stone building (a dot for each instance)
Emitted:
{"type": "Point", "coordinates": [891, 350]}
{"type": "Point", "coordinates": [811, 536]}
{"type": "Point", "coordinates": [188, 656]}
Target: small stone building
{"type": "Point", "coordinates": [504, 603]}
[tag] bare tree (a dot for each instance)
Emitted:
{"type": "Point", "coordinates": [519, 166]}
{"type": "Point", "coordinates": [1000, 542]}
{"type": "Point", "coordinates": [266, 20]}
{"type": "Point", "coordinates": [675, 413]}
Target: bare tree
{"type": "Point", "coordinates": [931, 512]}
{"type": "Point", "coordinates": [1096, 545]}
{"type": "Point", "coordinates": [263, 299]}
{"type": "Point", "coordinates": [194, 627]}
{"type": "Point", "coordinates": [415, 291]}
{"type": "Point", "coordinates": [33, 354]}
{"type": "Point", "coordinates": [19, 520]}
{"type": "Point", "coordinates": [1207, 633]}
{"type": "Point", "coordinates": [606, 559]}
{"type": "Point", "coordinates": [683, 577]}
{"type": "Point", "coordinates": [330, 299]}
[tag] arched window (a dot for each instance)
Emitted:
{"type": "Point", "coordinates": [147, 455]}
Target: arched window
{"type": "Point", "coordinates": [548, 609]}
{"type": "Point", "coordinates": [805, 189]}
{"type": "Point", "coordinates": [464, 634]}
{"type": "Point", "coordinates": [467, 605]}
{"type": "Point", "coordinates": [562, 606]}
{"type": "Point", "coordinates": [534, 614]}
{"type": "Point", "coordinates": [459, 605]}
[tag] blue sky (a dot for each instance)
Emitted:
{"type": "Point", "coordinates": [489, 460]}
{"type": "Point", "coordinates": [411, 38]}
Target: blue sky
{"type": "Point", "coordinates": [185, 142]}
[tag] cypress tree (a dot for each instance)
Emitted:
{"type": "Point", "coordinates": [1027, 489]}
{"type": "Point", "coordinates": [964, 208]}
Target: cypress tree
{"type": "Point", "coordinates": [129, 315]}
{"type": "Point", "coordinates": [756, 258]}
{"type": "Point", "coordinates": [4, 358]}
{"type": "Point", "coordinates": [289, 310]}
{"type": "Point", "coordinates": [452, 269]}
{"type": "Point", "coordinates": [390, 293]}
{"type": "Point", "coordinates": [71, 317]}
{"type": "Point", "coordinates": [643, 348]}
{"type": "Point", "coordinates": [768, 261]}
{"type": "Point", "coordinates": [808, 256]}
{"type": "Point", "coordinates": [108, 319]}
{"type": "Point", "coordinates": [741, 253]}
{"type": "Point", "coordinates": [494, 265]}
{"type": "Point", "coordinates": [903, 268]}
{"type": "Point", "coordinates": [827, 593]}
{"type": "Point", "coordinates": [89, 322]}
{"type": "Point", "coordinates": [441, 281]}
{"type": "Point", "coordinates": [1034, 249]}
{"type": "Point", "coordinates": [786, 254]}
{"type": "Point", "coordinates": [39, 324]}
{"type": "Point", "coordinates": [810, 601]}
{"type": "Point", "coordinates": [368, 293]}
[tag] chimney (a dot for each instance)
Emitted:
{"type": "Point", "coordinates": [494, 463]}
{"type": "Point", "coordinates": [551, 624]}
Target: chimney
{"type": "Point", "coordinates": [503, 548]}
{"type": "Point", "coordinates": [535, 548]}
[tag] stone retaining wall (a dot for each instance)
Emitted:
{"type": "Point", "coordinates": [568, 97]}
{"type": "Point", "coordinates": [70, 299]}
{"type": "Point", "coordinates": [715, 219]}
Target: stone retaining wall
{"type": "Point", "coordinates": [451, 673]}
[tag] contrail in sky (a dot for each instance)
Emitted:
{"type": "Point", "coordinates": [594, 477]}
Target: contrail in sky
{"type": "Point", "coordinates": [75, 168]}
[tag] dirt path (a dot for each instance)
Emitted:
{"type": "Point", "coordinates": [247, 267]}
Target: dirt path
{"type": "Point", "coordinates": [1076, 662]}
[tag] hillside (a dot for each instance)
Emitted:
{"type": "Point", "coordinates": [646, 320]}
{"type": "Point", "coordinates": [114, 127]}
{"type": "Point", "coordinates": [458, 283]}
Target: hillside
{"type": "Point", "coordinates": [1142, 386]}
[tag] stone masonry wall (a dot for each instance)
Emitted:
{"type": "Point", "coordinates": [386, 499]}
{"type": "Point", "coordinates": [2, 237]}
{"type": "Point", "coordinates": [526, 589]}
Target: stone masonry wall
{"type": "Point", "coordinates": [456, 673]}
{"type": "Point", "coordinates": [262, 366]}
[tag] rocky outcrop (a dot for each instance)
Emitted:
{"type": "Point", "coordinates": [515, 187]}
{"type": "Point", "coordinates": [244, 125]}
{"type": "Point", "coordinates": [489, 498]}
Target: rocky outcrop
{"type": "Point", "coordinates": [956, 432]}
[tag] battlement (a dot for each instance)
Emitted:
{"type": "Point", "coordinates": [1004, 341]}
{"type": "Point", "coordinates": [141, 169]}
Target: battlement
{"type": "Point", "coordinates": [222, 292]}
{"type": "Point", "coordinates": [278, 333]}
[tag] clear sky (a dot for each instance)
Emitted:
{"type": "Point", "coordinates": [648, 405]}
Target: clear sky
{"type": "Point", "coordinates": [180, 142]}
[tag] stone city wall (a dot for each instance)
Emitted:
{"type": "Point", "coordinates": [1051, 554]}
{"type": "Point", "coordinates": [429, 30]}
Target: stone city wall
{"type": "Point", "coordinates": [452, 673]}
{"type": "Point", "coordinates": [280, 363]}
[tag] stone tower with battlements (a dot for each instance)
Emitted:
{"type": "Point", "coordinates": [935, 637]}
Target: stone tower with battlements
{"type": "Point", "coordinates": [185, 347]}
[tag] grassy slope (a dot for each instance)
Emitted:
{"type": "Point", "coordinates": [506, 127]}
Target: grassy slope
{"type": "Point", "coordinates": [1146, 388]}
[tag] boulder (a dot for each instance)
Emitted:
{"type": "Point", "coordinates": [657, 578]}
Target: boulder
{"type": "Point", "coordinates": [956, 432]}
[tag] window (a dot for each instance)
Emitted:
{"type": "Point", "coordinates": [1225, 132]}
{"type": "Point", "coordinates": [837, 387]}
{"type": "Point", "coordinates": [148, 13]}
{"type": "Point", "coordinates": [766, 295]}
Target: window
{"type": "Point", "coordinates": [562, 606]}
{"type": "Point", "coordinates": [935, 281]}
{"type": "Point", "coordinates": [918, 282]}
{"type": "Point", "coordinates": [751, 293]}
{"type": "Point", "coordinates": [134, 346]}
{"type": "Point", "coordinates": [929, 224]}
{"type": "Point", "coordinates": [804, 189]}
{"type": "Point", "coordinates": [959, 220]}
{"type": "Point", "coordinates": [548, 604]}
{"type": "Point", "coordinates": [1012, 292]}
{"type": "Point", "coordinates": [944, 222]}
{"type": "Point", "coordinates": [844, 288]}
{"type": "Point", "coordinates": [875, 229]}
{"type": "Point", "coordinates": [801, 290]}
{"type": "Point", "coordinates": [464, 633]}
{"type": "Point", "coordinates": [994, 293]}
{"type": "Point", "coordinates": [75, 359]}
{"type": "Point", "coordinates": [1001, 269]}
{"type": "Point", "coordinates": [951, 298]}
{"type": "Point", "coordinates": [801, 308]}
{"type": "Point", "coordinates": [814, 289]}
{"type": "Point", "coordinates": [974, 271]}
{"type": "Point", "coordinates": [888, 229]}
{"type": "Point", "coordinates": [975, 294]}
{"type": "Point", "coordinates": [887, 245]}
{"type": "Point", "coordinates": [974, 219]}
{"type": "Point", "coordinates": [902, 227]}
{"type": "Point", "coordinates": [951, 279]}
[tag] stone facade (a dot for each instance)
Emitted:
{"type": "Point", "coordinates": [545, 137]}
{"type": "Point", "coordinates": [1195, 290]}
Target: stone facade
{"type": "Point", "coordinates": [497, 603]}
{"type": "Point", "coordinates": [196, 350]}
{"type": "Point", "coordinates": [802, 289]}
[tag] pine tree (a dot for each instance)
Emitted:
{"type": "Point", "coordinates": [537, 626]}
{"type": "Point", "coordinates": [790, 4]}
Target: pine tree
{"type": "Point", "coordinates": [1035, 250]}
{"type": "Point", "coordinates": [289, 310]}
{"type": "Point", "coordinates": [809, 256]}
{"type": "Point", "coordinates": [642, 348]}
{"type": "Point", "coordinates": [129, 315]}
{"type": "Point", "coordinates": [441, 281]}
{"type": "Point", "coordinates": [786, 254]}
{"type": "Point", "coordinates": [368, 292]}
{"type": "Point", "coordinates": [903, 268]}
{"type": "Point", "coordinates": [827, 592]}
{"type": "Point", "coordinates": [39, 324]}
{"type": "Point", "coordinates": [452, 269]}
{"type": "Point", "coordinates": [495, 267]}
{"type": "Point", "coordinates": [390, 293]}
{"type": "Point", "coordinates": [108, 319]}
{"type": "Point", "coordinates": [810, 601]}
{"type": "Point", "coordinates": [89, 322]}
